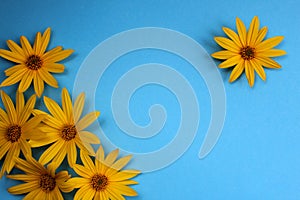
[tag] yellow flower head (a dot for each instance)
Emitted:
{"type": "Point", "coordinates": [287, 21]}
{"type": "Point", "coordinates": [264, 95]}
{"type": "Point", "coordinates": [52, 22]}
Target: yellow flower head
{"type": "Point", "coordinates": [15, 128]}
{"type": "Point", "coordinates": [33, 63]}
{"type": "Point", "coordinates": [41, 182]}
{"type": "Point", "coordinates": [247, 51]}
{"type": "Point", "coordinates": [103, 179]}
{"type": "Point", "coordinates": [65, 130]}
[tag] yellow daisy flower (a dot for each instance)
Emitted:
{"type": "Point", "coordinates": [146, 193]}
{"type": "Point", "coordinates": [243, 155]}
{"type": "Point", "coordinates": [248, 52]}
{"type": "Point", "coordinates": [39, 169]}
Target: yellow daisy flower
{"type": "Point", "coordinates": [40, 182]}
{"type": "Point", "coordinates": [103, 179]}
{"type": "Point", "coordinates": [247, 51]}
{"type": "Point", "coordinates": [33, 63]}
{"type": "Point", "coordinates": [15, 128]}
{"type": "Point", "coordinates": [65, 130]}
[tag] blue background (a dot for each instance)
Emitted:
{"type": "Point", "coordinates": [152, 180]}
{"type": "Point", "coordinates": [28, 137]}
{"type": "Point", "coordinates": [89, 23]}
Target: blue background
{"type": "Point", "coordinates": [257, 156]}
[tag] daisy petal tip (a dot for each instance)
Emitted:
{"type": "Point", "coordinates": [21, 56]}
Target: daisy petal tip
{"type": "Point", "coordinates": [98, 113]}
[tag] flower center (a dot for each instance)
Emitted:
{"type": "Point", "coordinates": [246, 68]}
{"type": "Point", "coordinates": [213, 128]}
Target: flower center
{"type": "Point", "coordinates": [247, 53]}
{"type": "Point", "coordinates": [99, 182]}
{"type": "Point", "coordinates": [47, 183]}
{"type": "Point", "coordinates": [13, 133]}
{"type": "Point", "coordinates": [34, 62]}
{"type": "Point", "coordinates": [69, 132]}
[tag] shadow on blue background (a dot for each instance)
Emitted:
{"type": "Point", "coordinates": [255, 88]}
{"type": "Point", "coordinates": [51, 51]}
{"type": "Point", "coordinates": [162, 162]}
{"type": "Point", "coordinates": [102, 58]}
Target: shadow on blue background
{"type": "Point", "coordinates": [257, 156]}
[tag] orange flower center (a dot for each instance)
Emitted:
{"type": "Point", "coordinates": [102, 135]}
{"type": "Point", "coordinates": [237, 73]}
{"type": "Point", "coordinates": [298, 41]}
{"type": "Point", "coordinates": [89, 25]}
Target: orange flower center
{"type": "Point", "coordinates": [34, 62]}
{"type": "Point", "coordinates": [13, 133]}
{"type": "Point", "coordinates": [99, 182]}
{"type": "Point", "coordinates": [247, 53]}
{"type": "Point", "coordinates": [47, 183]}
{"type": "Point", "coordinates": [69, 132]}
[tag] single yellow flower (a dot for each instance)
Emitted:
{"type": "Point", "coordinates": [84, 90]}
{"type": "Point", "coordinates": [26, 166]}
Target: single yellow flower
{"type": "Point", "coordinates": [103, 179]}
{"type": "Point", "coordinates": [41, 182]}
{"type": "Point", "coordinates": [33, 63]}
{"type": "Point", "coordinates": [65, 130]}
{"type": "Point", "coordinates": [16, 128]}
{"type": "Point", "coordinates": [247, 51]}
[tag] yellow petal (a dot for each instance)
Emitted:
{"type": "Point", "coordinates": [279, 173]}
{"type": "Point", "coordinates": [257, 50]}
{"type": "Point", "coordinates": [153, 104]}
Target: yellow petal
{"type": "Point", "coordinates": [24, 188]}
{"type": "Point", "coordinates": [26, 46]}
{"type": "Point", "coordinates": [43, 141]}
{"type": "Point", "coordinates": [3, 149]}
{"type": "Point", "coordinates": [52, 51]}
{"type": "Point", "coordinates": [32, 123]}
{"type": "Point", "coordinates": [57, 194]}
{"type": "Point", "coordinates": [10, 108]}
{"type": "Point", "coordinates": [49, 120]}
{"type": "Point", "coordinates": [87, 161]}
{"type": "Point", "coordinates": [78, 107]}
{"type": "Point", "coordinates": [26, 81]}
{"type": "Point", "coordinates": [269, 43]}
{"type": "Point", "coordinates": [114, 194]}
{"type": "Point", "coordinates": [111, 157]}
{"type": "Point", "coordinates": [57, 160]}
{"type": "Point", "coordinates": [12, 56]}
{"type": "Point", "coordinates": [62, 176]}
{"type": "Point", "coordinates": [237, 71]}
{"type": "Point", "coordinates": [33, 194]}
{"type": "Point", "coordinates": [14, 78]}
{"type": "Point", "coordinates": [128, 182]}
{"type": "Point", "coordinates": [123, 175]}
{"type": "Point", "coordinates": [259, 69]}
{"type": "Point", "coordinates": [123, 189]}
{"type": "Point", "coordinates": [261, 35]}
{"type": "Point", "coordinates": [223, 55]}
{"type": "Point", "coordinates": [78, 182]}
{"type": "Point", "coordinates": [38, 84]}
{"type": "Point", "coordinates": [249, 70]}
{"type": "Point", "coordinates": [87, 120]}
{"type": "Point", "coordinates": [51, 152]}
{"type": "Point", "coordinates": [27, 110]}
{"type": "Point", "coordinates": [82, 171]}
{"type": "Point", "coordinates": [268, 62]}
{"type": "Point", "coordinates": [241, 31]}
{"type": "Point", "coordinates": [227, 44]}
{"type": "Point", "coordinates": [81, 192]}
{"type": "Point", "coordinates": [45, 41]}
{"type": "Point", "coordinates": [100, 154]}
{"type": "Point", "coordinates": [37, 43]}
{"type": "Point", "coordinates": [25, 147]}
{"type": "Point", "coordinates": [15, 48]}
{"type": "Point", "coordinates": [67, 105]}
{"type": "Point", "coordinates": [232, 35]}
{"type": "Point", "coordinates": [23, 177]}
{"type": "Point", "coordinates": [89, 137]}
{"type": "Point", "coordinates": [122, 162]}
{"type": "Point", "coordinates": [253, 31]}
{"type": "Point", "coordinates": [48, 78]}
{"type": "Point", "coordinates": [231, 62]}
{"type": "Point", "coordinates": [28, 168]}
{"type": "Point", "coordinates": [55, 110]}
{"type": "Point", "coordinates": [4, 117]}
{"type": "Point", "coordinates": [20, 102]}
{"type": "Point", "coordinates": [12, 153]}
{"type": "Point", "coordinates": [85, 146]}
{"type": "Point", "coordinates": [54, 67]}
{"type": "Point", "coordinates": [14, 69]}
{"type": "Point", "coordinates": [58, 56]}
{"type": "Point", "coordinates": [72, 153]}
{"type": "Point", "coordinates": [271, 53]}
{"type": "Point", "coordinates": [89, 194]}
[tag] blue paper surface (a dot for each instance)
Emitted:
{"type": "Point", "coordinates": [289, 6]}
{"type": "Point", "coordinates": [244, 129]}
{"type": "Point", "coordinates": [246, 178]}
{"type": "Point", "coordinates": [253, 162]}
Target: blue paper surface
{"type": "Point", "coordinates": [257, 155]}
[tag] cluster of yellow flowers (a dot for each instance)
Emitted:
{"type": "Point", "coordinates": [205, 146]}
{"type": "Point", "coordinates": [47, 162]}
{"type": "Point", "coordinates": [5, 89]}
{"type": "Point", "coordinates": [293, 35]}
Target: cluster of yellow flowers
{"type": "Point", "coordinates": [23, 127]}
